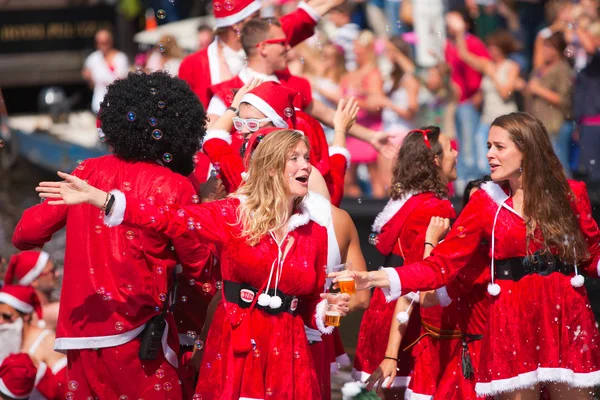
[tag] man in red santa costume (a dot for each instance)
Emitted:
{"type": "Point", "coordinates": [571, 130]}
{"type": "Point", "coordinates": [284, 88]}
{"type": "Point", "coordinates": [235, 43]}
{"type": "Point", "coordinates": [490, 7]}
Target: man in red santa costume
{"type": "Point", "coordinates": [266, 46]}
{"type": "Point", "coordinates": [115, 315]}
{"type": "Point", "coordinates": [224, 57]}
{"type": "Point", "coordinates": [17, 377]}
{"type": "Point", "coordinates": [35, 268]}
{"type": "Point", "coordinates": [19, 333]}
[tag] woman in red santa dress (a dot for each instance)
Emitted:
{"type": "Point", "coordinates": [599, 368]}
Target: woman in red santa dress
{"type": "Point", "coordinates": [541, 236]}
{"type": "Point", "coordinates": [272, 262]}
{"type": "Point", "coordinates": [343, 242]}
{"type": "Point", "coordinates": [426, 164]}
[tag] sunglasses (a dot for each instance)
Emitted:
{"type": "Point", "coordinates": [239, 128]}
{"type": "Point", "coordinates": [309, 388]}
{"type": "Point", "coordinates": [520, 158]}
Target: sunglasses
{"type": "Point", "coordinates": [253, 124]}
{"type": "Point", "coordinates": [7, 317]}
{"type": "Point", "coordinates": [281, 41]}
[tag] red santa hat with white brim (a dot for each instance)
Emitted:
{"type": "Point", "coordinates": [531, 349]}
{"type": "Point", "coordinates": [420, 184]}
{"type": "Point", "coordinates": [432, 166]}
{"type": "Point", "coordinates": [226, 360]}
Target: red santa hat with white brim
{"type": "Point", "coordinates": [17, 376]}
{"type": "Point", "coordinates": [230, 12]}
{"type": "Point", "coordinates": [275, 101]}
{"type": "Point", "coordinates": [21, 298]}
{"type": "Point", "coordinates": [25, 267]}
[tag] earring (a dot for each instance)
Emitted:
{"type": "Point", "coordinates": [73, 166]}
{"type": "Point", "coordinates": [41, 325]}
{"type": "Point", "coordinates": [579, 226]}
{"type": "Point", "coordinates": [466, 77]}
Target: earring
{"type": "Point", "coordinates": [521, 169]}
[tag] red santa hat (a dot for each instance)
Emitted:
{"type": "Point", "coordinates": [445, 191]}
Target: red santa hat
{"type": "Point", "coordinates": [17, 376]}
{"type": "Point", "coordinates": [275, 101]}
{"type": "Point", "coordinates": [21, 298]}
{"type": "Point", "coordinates": [25, 267]}
{"type": "Point", "coordinates": [230, 12]}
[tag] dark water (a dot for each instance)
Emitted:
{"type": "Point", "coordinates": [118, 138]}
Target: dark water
{"type": "Point", "coordinates": [17, 193]}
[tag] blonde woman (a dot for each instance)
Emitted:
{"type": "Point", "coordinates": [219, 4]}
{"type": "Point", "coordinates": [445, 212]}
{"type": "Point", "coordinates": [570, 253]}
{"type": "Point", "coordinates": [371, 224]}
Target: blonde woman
{"type": "Point", "coordinates": [272, 262]}
{"type": "Point", "coordinates": [166, 56]}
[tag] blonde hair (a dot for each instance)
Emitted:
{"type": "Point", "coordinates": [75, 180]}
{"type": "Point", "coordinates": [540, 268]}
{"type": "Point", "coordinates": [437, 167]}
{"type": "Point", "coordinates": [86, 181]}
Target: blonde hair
{"type": "Point", "coordinates": [266, 191]}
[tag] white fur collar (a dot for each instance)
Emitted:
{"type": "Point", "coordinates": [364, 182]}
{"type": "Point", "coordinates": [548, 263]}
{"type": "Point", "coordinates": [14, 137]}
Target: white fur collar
{"type": "Point", "coordinates": [390, 209]}
{"type": "Point", "coordinates": [299, 219]}
{"type": "Point", "coordinates": [319, 208]}
{"type": "Point", "coordinates": [497, 194]}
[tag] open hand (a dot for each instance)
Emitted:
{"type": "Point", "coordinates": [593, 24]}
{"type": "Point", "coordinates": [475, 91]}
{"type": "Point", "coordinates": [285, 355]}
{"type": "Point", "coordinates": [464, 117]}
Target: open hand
{"type": "Point", "coordinates": [345, 115]}
{"type": "Point", "coordinates": [72, 190]}
{"type": "Point", "coordinates": [254, 82]}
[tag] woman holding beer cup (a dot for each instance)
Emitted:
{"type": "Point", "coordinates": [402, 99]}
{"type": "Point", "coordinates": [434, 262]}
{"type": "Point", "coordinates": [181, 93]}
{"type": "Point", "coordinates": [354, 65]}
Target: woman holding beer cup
{"type": "Point", "coordinates": [538, 229]}
{"type": "Point", "coordinates": [273, 261]}
{"type": "Point", "coordinates": [425, 165]}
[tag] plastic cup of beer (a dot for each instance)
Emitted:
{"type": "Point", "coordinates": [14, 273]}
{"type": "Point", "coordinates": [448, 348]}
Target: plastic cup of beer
{"type": "Point", "coordinates": [346, 282]}
{"type": "Point", "coordinates": [332, 316]}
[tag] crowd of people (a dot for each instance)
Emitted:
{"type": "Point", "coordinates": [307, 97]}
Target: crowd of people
{"type": "Point", "coordinates": [207, 256]}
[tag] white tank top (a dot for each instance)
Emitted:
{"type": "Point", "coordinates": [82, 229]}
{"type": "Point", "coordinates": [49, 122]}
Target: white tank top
{"type": "Point", "coordinates": [38, 341]}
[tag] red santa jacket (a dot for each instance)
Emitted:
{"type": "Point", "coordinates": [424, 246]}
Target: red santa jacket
{"type": "Point", "coordinates": [195, 70]}
{"type": "Point", "coordinates": [115, 280]}
{"type": "Point", "coordinates": [474, 226]}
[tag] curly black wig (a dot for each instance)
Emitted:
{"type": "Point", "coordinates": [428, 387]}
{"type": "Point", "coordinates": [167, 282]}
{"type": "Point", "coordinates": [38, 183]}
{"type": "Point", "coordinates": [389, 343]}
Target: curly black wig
{"type": "Point", "coordinates": [153, 117]}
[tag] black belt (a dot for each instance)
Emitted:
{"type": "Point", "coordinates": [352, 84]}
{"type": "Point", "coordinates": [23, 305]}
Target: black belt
{"type": "Point", "coordinates": [513, 269]}
{"type": "Point", "coordinates": [243, 295]}
{"type": "Point", "coordinates": [393, 260]}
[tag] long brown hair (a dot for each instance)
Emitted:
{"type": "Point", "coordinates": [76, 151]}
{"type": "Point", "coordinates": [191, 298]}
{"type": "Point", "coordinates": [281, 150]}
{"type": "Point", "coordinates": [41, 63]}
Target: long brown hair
{"type": "Point", "coordinates": [547, 196]}
{"type": "Point", "coordinates": [415, 168]}
{"type": "Point", "coordinates": [266, 191]}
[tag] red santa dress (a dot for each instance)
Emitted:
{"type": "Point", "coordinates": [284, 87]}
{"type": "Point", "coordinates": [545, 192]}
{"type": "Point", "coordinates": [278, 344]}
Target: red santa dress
{"type": "Point", "coordinates": [400, 229]}
{"type": "Point", "coordinates": [115, 280]}
{"type": "Point", "coordinates": [540, 328]}
{"type": "Point", "coordinates": [254, 351]}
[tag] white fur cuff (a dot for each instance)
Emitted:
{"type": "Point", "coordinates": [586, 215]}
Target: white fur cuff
{"type": "Point", "coordinates": [310, 11]}
{"type": "Point", "coordinates": [217, 134]}
{"type": "Point", "coordinates": [118, 209]}
{"type": "Point", "coordinates": [598, 268]}
{"type": "Point", "coordinates": [395, 289]}
{"type": "Point", "coordinates": [443, 297]}
{"type": "Point", "coordinates": [333, 150]}
{"type": "Point", "coordinates": [320, 318]}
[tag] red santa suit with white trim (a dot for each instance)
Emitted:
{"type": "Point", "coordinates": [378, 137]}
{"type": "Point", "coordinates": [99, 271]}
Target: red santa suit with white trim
{"type": "Point", "coordinates": [203, 69]}
{"type": "Point", "coordinates": [253, 351]}
{"type": "Point", "coordinates": [115, 280]}
{"type": "Point", "coordinates": [401, 228]}
{"type": "Point", "coordinates": [540, 328]}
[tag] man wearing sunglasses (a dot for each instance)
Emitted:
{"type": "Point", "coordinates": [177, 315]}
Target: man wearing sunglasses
{"type": "Point", "coordinates": [19, 333]}
{"type": "Point", "coordinates": [224, 57]}
{"type": "Point", "coordinates": [264, 42]}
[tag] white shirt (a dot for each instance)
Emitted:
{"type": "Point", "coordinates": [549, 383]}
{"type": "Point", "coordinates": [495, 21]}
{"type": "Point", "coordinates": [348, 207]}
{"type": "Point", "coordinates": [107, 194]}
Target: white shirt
{"type": "Point", "coordinates": [102, 75]}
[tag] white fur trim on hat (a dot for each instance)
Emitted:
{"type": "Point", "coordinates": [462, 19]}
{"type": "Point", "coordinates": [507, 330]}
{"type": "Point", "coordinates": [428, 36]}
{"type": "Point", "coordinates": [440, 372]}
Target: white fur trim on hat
{"type": "Point", "coordinates": [320, 318]}
{"type": "Point", "coordinates": [239, 16]}
{"type": "Point", "coordinates": [118, 209]}
{"type": "Point", "coordinates": [217, 134]}
{"type": "Point", "coordinates": [15, 303]}
{"type": "Point", "coordinates": [443, 297]}
{"type": "Point", "coordinates": [4, 390]}
{"type": "Point", "coordinates": [36, 270]}
{"type": "Point", "coordinates": [333, 150]}
{"type": "Point", "coordinates": [264, 108]}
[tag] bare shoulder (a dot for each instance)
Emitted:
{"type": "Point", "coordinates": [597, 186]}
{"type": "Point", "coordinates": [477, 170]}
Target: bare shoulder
{"type": "Point", "coordinates": [341, 219]}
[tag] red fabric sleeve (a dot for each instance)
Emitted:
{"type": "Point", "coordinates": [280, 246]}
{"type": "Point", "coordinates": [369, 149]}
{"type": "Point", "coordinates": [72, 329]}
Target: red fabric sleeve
{"type": "Point", "coordinates": [297, 26]}
{"type": "Point", "coordinates": [229, 161]}
{"type": "Point", "coordinates": [205, 222]}
{"type": "Point", "coordinates": [588, 227]}
{"type": "Point", "coordinates": [450, 256]}
{"type": "Point", "coordinates": [335, 181]}
{"type": "Point", "coordinates": [39, 223]}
